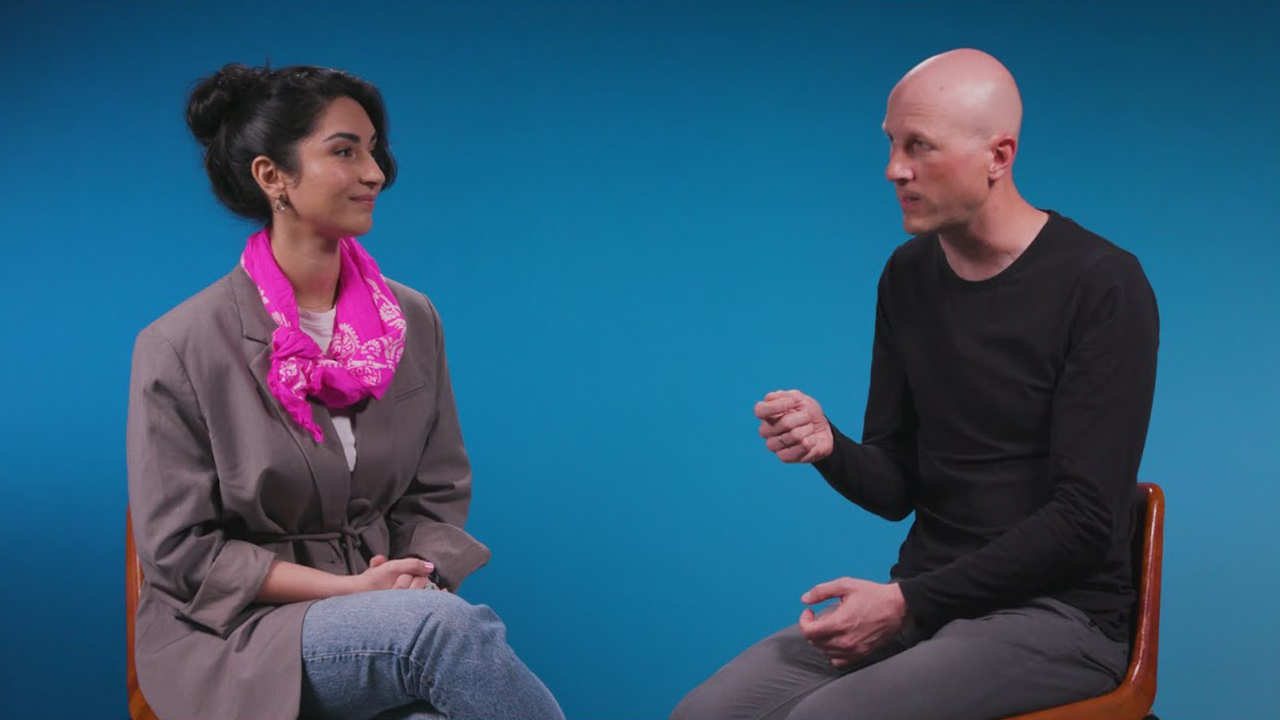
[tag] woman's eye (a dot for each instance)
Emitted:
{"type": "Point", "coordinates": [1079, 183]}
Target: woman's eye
{"type": "Point", "coordinates": [344, 152]}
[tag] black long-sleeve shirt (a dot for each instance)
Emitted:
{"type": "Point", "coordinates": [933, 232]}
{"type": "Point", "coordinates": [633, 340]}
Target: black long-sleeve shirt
{"type": "Point", "coordinates": [1010, 415]}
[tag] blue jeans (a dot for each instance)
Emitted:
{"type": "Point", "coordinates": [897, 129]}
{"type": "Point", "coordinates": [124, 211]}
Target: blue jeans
{"type": "Point", "coordinates": [414, 654]}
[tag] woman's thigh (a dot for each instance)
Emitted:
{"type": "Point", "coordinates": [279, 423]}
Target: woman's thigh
{"type": "Point", "coordinates": [373, 652]}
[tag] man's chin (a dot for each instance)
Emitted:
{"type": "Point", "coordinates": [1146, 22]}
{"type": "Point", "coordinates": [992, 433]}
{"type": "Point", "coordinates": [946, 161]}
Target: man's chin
{"type": "Point", "coordinates": [917, 226]}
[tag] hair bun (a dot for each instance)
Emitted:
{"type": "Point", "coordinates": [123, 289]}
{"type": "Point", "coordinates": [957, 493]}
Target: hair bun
{"type": "Point", "coordinates": [215, 97]}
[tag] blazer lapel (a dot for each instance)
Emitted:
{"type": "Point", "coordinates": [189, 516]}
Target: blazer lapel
{"type": "Point", "coordinates": [375, 439]}
{"type": "Point", "coordinates": [376, 429]}
{"type": "Point", "coordinates": [326, 460]}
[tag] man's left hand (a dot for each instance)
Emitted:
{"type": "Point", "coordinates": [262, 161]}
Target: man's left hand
{"type": "Point", "coordinates": [868, 615]}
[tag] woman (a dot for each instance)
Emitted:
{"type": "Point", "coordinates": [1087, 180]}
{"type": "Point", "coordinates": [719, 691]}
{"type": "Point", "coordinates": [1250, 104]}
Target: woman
{"type": "Point", "coordinates": [291, 428]}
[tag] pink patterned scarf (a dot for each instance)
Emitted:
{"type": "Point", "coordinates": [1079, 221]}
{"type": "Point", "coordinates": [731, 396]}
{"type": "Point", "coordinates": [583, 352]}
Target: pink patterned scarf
{"type": "Point", "coordinates": [368, 335]}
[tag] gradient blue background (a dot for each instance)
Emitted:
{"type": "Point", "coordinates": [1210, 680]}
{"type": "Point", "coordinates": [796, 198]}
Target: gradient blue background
{"type": "Point", "coordinates": [636, 219]}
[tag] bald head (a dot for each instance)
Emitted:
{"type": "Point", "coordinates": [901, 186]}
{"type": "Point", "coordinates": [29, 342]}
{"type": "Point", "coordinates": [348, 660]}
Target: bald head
{"type": "Point", "coordinates": [969, 88]}
{"type": "Point", "coordinates": [952, 124]}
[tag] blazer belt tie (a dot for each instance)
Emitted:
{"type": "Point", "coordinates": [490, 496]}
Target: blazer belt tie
{"type": "Point", "coordinates": [348, 536]}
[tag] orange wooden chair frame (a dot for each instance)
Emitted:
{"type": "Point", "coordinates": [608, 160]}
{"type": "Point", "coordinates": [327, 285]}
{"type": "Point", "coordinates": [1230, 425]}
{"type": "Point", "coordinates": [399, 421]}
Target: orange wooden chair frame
{"type": "Point", "coordinates": [1133, 699]}
{"type": "Point", "coordinates": [138, 707]}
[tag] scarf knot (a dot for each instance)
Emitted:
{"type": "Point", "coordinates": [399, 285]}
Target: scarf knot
{"type": "Point", "coordinates": [368, 334]}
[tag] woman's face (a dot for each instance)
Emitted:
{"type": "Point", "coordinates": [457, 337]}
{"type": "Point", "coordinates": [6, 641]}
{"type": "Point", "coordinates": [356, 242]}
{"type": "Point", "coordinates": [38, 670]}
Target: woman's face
{"type": "Point", "coordinates": [333, 191]}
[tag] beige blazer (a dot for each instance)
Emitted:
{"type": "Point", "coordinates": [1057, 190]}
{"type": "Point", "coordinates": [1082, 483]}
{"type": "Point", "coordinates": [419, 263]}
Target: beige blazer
{"type": "Point", "coordinates": [222, 482]}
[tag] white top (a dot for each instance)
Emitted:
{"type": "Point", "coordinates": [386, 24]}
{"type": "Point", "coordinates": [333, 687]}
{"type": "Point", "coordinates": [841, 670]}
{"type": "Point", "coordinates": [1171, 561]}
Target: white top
{"type": "Point", "coordinates": [319, 327]}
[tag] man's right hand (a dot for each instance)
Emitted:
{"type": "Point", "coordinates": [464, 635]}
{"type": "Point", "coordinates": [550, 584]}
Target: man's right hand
{"type": "Point", "coordinates": [794, 427]}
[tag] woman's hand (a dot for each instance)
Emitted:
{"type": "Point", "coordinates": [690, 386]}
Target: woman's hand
{"type": "Point", "coordinates": [403, 574]}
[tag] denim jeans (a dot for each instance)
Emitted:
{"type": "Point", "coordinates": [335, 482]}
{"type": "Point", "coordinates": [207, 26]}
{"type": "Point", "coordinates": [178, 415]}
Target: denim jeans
{"type": "Point", "coordinates": [414, 654]}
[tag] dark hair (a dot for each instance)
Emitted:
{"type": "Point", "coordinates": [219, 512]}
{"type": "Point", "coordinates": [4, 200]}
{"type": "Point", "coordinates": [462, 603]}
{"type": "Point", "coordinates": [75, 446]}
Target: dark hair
{"type": "Point", "coordinates": [241, 112]}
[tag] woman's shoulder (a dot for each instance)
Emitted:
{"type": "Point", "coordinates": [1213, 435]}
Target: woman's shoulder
{"type": "Point", "coordinates": [417, 308]}
{"type": "Point", "coordinates": [201, 320]}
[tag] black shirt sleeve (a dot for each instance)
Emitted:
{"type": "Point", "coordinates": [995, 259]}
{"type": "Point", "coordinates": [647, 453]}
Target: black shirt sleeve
{"type": "Point", "coordinates": [879, 473]}
{"type": "Point", "coordinates": [1100, 412]}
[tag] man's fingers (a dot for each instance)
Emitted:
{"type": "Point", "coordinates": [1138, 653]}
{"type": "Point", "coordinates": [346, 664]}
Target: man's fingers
{"type": "Point", "coordinates": [768, 409]}
{"type": "Point", "coordinates": [419, 583]}
{"type": "Point", "coordinates": [811, 445]}
{"type": "Point", "coordinates": [793, 453]}
{"type": "Point", "coordinates": [828, 626]}
{"type": "Point", "coordinates": [377, 560]}
{"type": "Point", "coordinates": [827, 590]}
{"type": "Point", "coordinates": [802, 431]}
{"type": "Point", "coordinates": [790, 421]}
{"type": "Point", "coordinates": [403, 582]}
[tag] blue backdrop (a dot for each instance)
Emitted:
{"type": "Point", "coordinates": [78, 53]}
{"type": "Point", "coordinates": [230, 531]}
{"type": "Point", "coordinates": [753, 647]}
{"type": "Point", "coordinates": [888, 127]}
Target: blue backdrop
{"type": "Point", "coordinates": [636, 219]}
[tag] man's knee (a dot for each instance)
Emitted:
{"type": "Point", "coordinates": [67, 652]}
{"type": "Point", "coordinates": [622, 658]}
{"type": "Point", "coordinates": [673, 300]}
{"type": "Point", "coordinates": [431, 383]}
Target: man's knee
{"type": "Point", "coordinates": [704, 702]}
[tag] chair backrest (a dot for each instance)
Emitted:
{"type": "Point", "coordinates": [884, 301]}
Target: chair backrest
{"type": "Point", "coordinates": [138, 707]}
{"type": "Point", "coordinates": [1149, 542]}
{"type": "Point", "coordinates": [1133, 699]}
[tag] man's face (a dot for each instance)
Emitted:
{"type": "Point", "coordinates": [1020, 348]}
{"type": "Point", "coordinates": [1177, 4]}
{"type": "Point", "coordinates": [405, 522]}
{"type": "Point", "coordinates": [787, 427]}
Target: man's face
{"type": "Point", "coordinates": [937, 165]}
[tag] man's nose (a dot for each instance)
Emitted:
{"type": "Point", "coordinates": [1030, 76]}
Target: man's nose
{"type": "Point", "coordinates": [896, 171]}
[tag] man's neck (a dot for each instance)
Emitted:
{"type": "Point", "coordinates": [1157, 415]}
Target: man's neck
{"type": "Point", "coordinates": [310, 262]}
{"type": "Point", "coordinates": [994, 239]}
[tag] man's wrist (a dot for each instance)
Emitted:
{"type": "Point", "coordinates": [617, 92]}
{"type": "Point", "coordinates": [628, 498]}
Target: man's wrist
{"type": "Point", "coordinates": [899, 600]}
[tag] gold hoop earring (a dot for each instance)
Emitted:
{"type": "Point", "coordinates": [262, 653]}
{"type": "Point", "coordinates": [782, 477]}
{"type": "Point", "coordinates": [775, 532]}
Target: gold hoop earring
{"type": "Point", "coordinates": [282, 203]}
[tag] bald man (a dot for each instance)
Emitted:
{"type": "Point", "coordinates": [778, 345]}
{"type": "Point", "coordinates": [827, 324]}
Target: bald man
{"type": "Point", "coordinates": [1012, 375]}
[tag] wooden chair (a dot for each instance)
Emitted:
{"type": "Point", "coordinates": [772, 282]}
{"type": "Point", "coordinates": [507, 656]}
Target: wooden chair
{"type": "Point", "coordinates": [1133, 699]}
{"type": "Point", "coordinates": [138, 707]}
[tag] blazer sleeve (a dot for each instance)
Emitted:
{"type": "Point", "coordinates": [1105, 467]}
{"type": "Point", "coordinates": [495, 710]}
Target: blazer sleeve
{"type": "Point", "coordinates": [428, 520]}
{"type": "Point", "coordinates": [207, 578]}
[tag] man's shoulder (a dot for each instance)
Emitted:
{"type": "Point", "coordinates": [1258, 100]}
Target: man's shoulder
{"type": "Point", "coordinates": [1091, 257]}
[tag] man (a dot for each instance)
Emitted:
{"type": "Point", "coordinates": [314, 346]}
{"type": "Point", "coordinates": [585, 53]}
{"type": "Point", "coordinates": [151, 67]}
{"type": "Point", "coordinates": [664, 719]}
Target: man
{"type": "Point", "coordinates": [1011, 384]}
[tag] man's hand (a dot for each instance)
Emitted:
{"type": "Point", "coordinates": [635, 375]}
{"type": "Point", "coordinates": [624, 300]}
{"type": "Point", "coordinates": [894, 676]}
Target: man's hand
{"type": "Point", "coordinates": [868, 615]}
{"type": "Point", "coordinates": [403, 574]}
{"type": "Point", "coordinates": [793, 427]}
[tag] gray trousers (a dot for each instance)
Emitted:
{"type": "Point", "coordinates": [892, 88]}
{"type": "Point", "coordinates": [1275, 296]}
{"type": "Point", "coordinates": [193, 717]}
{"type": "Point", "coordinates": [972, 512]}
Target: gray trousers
{"type": "Point", "coordinates": [1040, 655]}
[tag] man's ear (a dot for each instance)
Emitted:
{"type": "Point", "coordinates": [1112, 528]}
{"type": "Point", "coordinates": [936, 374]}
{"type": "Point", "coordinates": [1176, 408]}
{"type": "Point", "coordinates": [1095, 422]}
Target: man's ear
{"type": "Point", "coordinates": [1003, 150]}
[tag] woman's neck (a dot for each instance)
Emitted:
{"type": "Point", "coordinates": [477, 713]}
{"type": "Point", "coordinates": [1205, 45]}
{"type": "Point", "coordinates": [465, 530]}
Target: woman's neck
{"type": "Point", "coordinates": [311, 263]}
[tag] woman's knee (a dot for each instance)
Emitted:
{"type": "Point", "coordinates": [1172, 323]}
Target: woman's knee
{"type": "Point", "coordinates": [444, 616]}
